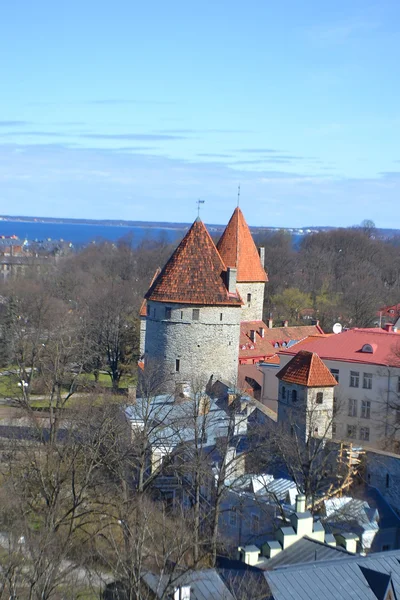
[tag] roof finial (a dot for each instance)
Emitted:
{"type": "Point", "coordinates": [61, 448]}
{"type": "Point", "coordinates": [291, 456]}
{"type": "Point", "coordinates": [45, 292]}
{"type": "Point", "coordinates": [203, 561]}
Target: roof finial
{"type": "Point", "coordinates": [238, 195]}
{"type": "Point", "coordinates": [198, 202]}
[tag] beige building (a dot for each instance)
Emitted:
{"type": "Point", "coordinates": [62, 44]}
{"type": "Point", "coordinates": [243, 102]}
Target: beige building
{"type": "Point", "coordinates": [366, 366]}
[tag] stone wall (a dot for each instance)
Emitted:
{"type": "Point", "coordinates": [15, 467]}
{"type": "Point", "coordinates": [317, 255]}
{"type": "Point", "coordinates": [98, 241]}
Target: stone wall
{"type": "Point", "coordinates": [253, 310]}
{"type": "Point", "coordinates": [305, 414]}
{"type": "Point", "coordinates": [190, 350]}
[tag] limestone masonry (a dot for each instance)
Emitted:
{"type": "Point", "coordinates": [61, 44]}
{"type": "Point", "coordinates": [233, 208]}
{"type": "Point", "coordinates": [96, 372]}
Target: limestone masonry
{"type": "Point", "coordinates": [191, 316]}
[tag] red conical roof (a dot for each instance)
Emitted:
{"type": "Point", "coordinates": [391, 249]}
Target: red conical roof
{"type": "Point", "coordinates": [237, 249]}
{"type": "Point", "coordinates": [306, 368]}
{"type": "Point", "coordinates": [195, 273]}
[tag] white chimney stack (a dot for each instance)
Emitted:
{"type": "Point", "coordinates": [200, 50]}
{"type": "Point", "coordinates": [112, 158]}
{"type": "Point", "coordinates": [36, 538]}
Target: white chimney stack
{"type": "Point", "coordinates": [231, 283]}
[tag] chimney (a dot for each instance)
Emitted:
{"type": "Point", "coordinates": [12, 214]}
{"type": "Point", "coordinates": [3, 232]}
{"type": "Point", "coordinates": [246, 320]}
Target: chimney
{"type": "Point", "coordinates": [270, 321]}
{"type": "Point", "coordinates": [261, 252]}
{"type": "Point", "coordinates": [261, 331]}
{"type": "Point", "coordinates": [285, 323]}
{"type": "Point", "coordinates": [231, 280]}
{"type": "Point", "coordinates": [252, 335]}
{"type": "Point", "coordinates": [389, 327]}
{"type": "Point", "coordinates": [300, 503]}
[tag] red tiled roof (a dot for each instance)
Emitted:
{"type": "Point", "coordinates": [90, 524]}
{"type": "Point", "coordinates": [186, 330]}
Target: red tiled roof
{"type": "Point", "coordinates": [307, 369]}
{"type": "Point", "coordinates": [276, 336]}
{"type": "Point", "coordinates": [237, 249]}
{"type": "Point", "coordinates": [143, 308]}
{"type": "Point", "coordinates": [347, 346]}
{"type": "Point", "coordinates": [195, 273]}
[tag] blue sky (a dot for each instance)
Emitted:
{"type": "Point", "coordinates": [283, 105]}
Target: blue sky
{"type": "Point", "coordinates": [134, 110]}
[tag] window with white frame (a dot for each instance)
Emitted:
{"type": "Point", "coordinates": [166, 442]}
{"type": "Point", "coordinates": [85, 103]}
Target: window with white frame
{"type": "Point", "coordinates": [364, 434]}
{"type": "Point", "coordinates": [365, 409]}
{"type": "Point", "coordinates": [367, 381]}
{"type": "Point", "coordinates": [354, 379]}
{"type": "Point", "coordinates": [352, 407]}
{"type": "Point", "coordinates": [351, 431]}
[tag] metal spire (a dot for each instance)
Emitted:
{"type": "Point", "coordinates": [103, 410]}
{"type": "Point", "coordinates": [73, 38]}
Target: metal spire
{"type": "Point", "coordinates": [198, 202]}
{"type": "Point", "coordinates": [238, 202]}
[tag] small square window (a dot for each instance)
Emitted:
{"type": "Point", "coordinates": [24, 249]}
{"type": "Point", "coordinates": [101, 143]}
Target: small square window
{"type": "Point", "coordinates": [196, 314]}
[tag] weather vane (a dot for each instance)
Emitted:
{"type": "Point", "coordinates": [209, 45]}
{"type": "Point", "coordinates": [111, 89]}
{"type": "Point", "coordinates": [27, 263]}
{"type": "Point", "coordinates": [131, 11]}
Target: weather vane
{"type": "Point", "coordinates": [198, 202]}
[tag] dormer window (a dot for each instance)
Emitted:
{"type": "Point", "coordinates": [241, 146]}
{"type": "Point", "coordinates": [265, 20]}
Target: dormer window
{"type": "Point", "coordinates": [368, 348]}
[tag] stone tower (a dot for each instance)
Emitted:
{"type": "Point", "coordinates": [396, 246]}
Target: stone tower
{"type": "Point", "coordinates": [305, 397]}
{"type": "Point", "coordinates": [238, 250]}
{"type": "Point", "coordinates": [193, 314]}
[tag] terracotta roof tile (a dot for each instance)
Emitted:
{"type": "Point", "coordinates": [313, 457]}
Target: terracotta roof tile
{"type": "Point", "coordinates": [194, 274]}
{"type": "Point", "coordinates": [306, 368]}
{"type": "Point", "coordinates": [347, 346]}
{"type": "Point", "coordinates": [237, 249]}
{"type": "Point", "coordinates": [143, 308]}
{"type": "Point", "coordinates": [272, 340]}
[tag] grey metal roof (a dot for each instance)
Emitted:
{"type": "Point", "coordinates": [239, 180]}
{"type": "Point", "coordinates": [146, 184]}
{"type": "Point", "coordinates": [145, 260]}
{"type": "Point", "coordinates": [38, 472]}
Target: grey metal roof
{"type": "Point", "coordinates": [204, 585]}
{"type": "Point", "coordinates": [306, 550]}
{"type": "Point", "coordinates": [334, 579]}
{"type": "Point", "coordinates": [170, 423]}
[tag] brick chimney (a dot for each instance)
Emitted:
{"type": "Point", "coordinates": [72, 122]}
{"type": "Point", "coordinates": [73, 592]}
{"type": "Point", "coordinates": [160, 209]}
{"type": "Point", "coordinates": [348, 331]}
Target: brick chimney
{"type": "Point", "coordinates": [231, 276]}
